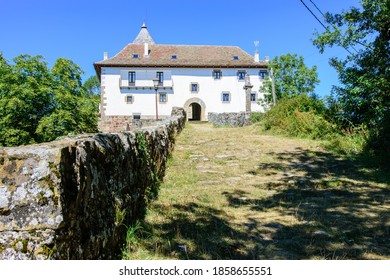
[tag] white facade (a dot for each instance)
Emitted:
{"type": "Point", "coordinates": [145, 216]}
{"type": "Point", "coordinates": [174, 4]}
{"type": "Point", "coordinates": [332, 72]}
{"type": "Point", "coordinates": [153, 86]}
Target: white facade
{"type": "Point", "coordinates": [177, 85]}
{"type": "Point", "coordinates": [201, 79]}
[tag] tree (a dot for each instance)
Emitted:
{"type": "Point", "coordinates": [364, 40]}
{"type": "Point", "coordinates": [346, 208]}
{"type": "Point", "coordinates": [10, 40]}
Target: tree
{"type": "Point", "coordinates": [92, 85]}
{"type": "Point", "coordinates": [25, 97]}
{"type": "Point", "coordinates": [75, 111]}
{"type": "Point", "coordinates": [38, 104]}
{"type": "Point", "coordinates": [292, 77]}
{"type": "Point", "coordinates": [365, 33]}
{"type": "Point", "coordinates": [365, 73]}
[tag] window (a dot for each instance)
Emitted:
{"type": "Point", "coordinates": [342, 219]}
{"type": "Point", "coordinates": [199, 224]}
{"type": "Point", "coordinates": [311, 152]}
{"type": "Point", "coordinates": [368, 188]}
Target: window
{"type": "Point", "coordinates": [163, 98]}
{"type": "Point", "coordinates": [241, 75]}
{"type": "Point", "coordinates": [217, 74]}
{"type": "Point", "coordinates": [135, 55]}
{"type": "Point", "coordinates": [131, 78]}
{"type": "Point", "coordinates": [263, 74]}
{"type": "Point", "coordinates": [160, 76]}
{"type": "Point", "coordinates": [235, 57]}
{"type": "Point", "coordinates": [226, 97]}
{"type": "Point", "coordinates": [129, 99]}
{"type": "Point", "coordinates": [253, 97]}
{"type": "Point", "coordinates": [136, 116]}
{"type": "Point", "coordinates": [174, 56]}
{"type": "Point", "coordinates": [194, 87]}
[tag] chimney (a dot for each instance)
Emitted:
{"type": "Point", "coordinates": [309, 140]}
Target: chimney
{"type": "Point", "coordinates": [105, 55]}
{"type": "Point", "coordinates": [146, 49]}
{"type": "Point", "coordinates": [257, 57]}
{"type": "Point", "coordinates": [267, 59]}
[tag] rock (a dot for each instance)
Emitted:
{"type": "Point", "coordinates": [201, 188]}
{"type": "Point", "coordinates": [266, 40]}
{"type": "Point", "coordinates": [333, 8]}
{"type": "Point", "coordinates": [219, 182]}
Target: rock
{"type": "Point", "coordinates": [320, 233]}
{"type": "Point", "coordinates": [4, 198]}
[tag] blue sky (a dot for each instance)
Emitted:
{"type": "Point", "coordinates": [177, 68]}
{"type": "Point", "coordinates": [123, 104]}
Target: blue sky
{"type": "Point", "coordinates": [83, 30]}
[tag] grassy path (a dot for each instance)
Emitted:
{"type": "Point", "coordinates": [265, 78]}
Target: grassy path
{"type": "Point", "coordinates": [232, 193]}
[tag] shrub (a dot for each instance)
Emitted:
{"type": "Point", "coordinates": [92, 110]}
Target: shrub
{"type": "Point", "coordinates": [298, 116]}
{"type": "Point", "coordinates": [379, 140]}
{"type": "Point", "coordinates": [350, 142]}
{"type": "Point", "coordinates": [256, 117]}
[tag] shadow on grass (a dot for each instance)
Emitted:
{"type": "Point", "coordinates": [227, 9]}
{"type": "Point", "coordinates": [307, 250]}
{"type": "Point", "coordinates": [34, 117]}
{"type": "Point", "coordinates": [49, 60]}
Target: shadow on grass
{"type": "Point", "coordinates": [339, 208]}
{"type": "Point", "coordinates": [341, 205]}
{"type": "Point", "coordinates": [197, 232]}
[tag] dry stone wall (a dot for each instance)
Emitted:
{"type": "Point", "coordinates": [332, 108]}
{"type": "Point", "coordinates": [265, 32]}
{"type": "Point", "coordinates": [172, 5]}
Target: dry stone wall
{"type": "Point", "coordinates": [74, 198]}
{"type": "Point", "coordinates": [229, 119]}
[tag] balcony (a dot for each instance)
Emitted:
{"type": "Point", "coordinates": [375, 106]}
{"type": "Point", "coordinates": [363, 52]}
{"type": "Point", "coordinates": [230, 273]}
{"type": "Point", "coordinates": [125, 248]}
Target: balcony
{"type": "Point", "coordinates": [145, 85]}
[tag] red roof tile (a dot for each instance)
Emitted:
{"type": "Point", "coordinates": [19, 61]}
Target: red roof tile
{"type": "Point", "coordinates": [186, 56]}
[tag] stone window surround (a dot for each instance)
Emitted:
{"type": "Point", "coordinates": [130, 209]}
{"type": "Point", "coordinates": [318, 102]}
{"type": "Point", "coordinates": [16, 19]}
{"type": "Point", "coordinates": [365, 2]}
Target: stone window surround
{"type": "Point", "coordinates": [127, 98]}
{"type": "Point", "coordinates": [255, 97]}
{"type": "Point", "coordinates": [192, 87]}
{"type": "Point", "coordinates": [225, 94]}
{"type": "Point", "coordinates": [161, 99]}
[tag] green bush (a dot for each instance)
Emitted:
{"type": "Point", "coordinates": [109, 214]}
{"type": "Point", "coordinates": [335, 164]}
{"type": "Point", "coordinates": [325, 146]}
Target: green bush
{"type": "Point", "coordinates": [256, 117]}
{"type": "Point", "coordinates": [348, 143]}
{"type": "Point", "coordinates": [298, 116]}
{"type": "Point", "coordinates": [379, 140]}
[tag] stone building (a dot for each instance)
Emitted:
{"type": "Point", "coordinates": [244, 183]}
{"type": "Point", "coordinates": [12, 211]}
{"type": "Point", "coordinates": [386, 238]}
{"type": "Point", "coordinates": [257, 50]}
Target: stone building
{"type": "Point", "coordinates": [204, 80]}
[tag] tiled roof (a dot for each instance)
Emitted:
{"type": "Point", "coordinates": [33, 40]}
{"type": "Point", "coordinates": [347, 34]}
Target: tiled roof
{"type": "Point", "coordinates": [181, 56]}
{"type": "Point", "coordinates": [187, 56]}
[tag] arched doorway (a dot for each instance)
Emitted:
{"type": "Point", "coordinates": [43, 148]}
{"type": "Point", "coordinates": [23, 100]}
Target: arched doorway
{"type": "Point", "coordinates": [196, 109]}
{"type": "Point", "coordinates": [196, 112]}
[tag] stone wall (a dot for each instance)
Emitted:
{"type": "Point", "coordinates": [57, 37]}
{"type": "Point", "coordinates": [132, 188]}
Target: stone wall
{"type": "Point", "coordinates": [73, 198]}
{"type": "Point", "coordinates": [115, 123]}
{"type": "Point", "coordinates": [126, 123]}
{"type": "Point", "coordinates": [229, 119]}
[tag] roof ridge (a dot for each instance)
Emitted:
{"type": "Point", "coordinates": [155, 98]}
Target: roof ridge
{"type": "Point", "coordinates": [180, 45]}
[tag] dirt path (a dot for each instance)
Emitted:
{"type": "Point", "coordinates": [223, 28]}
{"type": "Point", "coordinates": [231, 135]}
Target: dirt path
{"type": "Point", "coordinates": [232, 193]}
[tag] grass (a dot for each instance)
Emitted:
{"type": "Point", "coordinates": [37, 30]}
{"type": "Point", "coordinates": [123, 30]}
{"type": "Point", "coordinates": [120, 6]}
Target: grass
{"type": "Point", "coordinates": [232, 193]}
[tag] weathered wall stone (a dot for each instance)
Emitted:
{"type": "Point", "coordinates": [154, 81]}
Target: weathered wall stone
{"type": "Point", "coordinates": [229, 119]}
{"type": "Point", "coordinates": [126, 123]}
{"type": "Point", "coordinates": [73, 198]}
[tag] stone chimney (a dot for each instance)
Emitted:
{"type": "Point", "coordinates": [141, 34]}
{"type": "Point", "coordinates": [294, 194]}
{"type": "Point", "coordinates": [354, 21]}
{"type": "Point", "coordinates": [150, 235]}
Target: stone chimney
{"type": "Point", "coordinates": [146, 49]}
{"type": "Point", "coordinates": [257, 57]}
{"type": "Point", "coordinates": [105, 55]}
